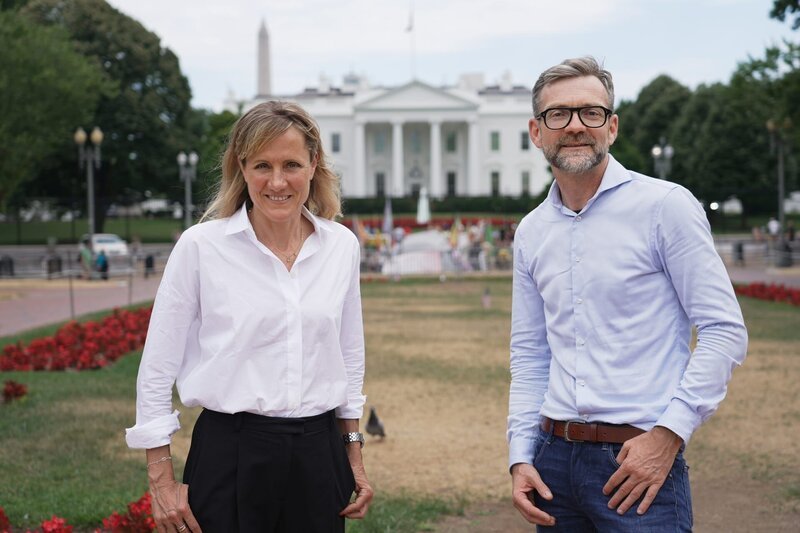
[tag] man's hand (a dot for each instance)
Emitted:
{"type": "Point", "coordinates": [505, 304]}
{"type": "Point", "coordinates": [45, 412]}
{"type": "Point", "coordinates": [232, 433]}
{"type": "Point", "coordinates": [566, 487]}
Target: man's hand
{"type": "Point", "coordinates": [645, 462]}
{"type": "Point", "coordinates": [524, 480]}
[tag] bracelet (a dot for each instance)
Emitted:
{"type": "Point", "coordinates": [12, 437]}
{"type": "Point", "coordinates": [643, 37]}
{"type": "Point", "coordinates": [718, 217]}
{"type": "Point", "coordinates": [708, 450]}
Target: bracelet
{"type": "Point", "coordinates": [163, 459]}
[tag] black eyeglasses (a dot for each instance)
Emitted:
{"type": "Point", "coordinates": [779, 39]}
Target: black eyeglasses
{"type": "Point", "coordinates": [557, 118]}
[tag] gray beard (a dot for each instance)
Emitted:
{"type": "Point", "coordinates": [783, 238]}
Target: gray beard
{"type": "Point", "coordinates": [575, 163]}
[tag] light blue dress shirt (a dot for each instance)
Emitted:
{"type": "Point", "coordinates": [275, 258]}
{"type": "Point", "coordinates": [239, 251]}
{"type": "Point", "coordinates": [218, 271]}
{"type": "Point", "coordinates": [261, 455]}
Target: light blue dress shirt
{"type": "Point", "coordinates": [603, 305]}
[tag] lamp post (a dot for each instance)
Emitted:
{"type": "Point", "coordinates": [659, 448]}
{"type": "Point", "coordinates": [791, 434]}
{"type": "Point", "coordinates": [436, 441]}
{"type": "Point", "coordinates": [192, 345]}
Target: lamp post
{"type": "Point", "coordinates": [187, 169]}
{"type": "Point", "coordinates": [662, 158]}
{"type": "Point", "coordinates": [89, 155]}
{"type": "Point", "coordinates": [777, 141]}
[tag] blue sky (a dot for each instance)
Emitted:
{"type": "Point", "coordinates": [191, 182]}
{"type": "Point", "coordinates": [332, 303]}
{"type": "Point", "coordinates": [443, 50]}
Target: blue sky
{"type": "Point", "coordinates": [694, 41]}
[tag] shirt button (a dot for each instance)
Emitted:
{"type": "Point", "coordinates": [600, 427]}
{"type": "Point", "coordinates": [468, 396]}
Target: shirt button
{"type": "Point", "coordinates": [579, 301]}
{"type": "Point", "coordinates": [581, 342]}
{"type": "Point", "coordinates": [577, 259]}
{"type": "Point", "coordinates": [585, 417]}
{"type": "Point", "coordinates": [581, 383]}
{"type": "Point", "coordinates": [578, 218]}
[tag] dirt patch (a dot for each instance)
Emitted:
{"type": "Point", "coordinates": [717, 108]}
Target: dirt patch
{"type": "Point", "coordinates": [433, 377]}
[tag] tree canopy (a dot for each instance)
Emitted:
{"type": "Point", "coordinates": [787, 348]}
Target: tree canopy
{"type": "Point", "coordinates": [48, 88]}
{"type": "Point", "coordinates": [146, 119]}
{"type": "Point", "coordinates": [781, 9]}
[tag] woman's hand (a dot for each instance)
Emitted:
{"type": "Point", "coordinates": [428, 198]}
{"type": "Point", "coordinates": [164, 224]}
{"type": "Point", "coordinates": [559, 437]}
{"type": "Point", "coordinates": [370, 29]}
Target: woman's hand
{"type": "Point", "coordinates": [170, 498]}
{"type": "Point", "coordinates": [358, 508]}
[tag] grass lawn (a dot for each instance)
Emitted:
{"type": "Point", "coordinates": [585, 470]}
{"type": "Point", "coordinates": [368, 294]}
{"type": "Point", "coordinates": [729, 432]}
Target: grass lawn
{"type": "Point", "coordinates": [148, 230]}
{"type": "Point", "coordinates": [437, 371]}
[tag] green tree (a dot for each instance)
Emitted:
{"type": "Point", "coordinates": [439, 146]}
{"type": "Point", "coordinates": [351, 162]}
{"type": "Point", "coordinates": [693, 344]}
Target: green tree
{"type": "Point", "coordinates": [783, 8]}
{"type": "Point", "coordinates": [47, 89]}
{"type": "Point", "coordinates": [644, 122]}
{"type": "Point", "coordinates": [147, 121]}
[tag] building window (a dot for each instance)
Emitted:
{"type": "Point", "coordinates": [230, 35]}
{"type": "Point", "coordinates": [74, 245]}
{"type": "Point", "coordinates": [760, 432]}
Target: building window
{"type": "Point", "coordinates": [526, 183]}
{"type": "Point", "coordinates": [336, 143]}
{"type": "Point", "coordinates": [380, 142]}
{"type": "Point", "coordinates": [524, 141]}
{"type": "Point", "coordinates": [451, 183]}
{"type": "Point", "coordinates": [380, 184]}
{"type": "Point", "coordinates": [494, 141]}
{"type": "Point", "coordinates": [495, 183]}
{"type": "Point", "coordinates": [451, 142]}
{"type": "Point", "coordinates": [416, 142]}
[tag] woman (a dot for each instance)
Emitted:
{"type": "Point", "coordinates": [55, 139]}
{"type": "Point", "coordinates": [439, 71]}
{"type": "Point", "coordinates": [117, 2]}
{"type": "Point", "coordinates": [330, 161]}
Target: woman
{"type": "Point", "coordinates": [258, 318]}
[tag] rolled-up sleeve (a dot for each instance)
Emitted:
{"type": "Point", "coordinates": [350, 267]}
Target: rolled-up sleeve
{"type": "Point", "coordinates": [351, 338]}
{"type": "Point", "coordinates": [686, 249]}
{"type": "Point", "coordinates": [530, 360]}
{"type": "Point", "coordinates": [175, 309]}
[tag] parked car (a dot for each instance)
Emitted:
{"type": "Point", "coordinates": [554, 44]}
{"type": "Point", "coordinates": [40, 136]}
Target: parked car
{"type": "Point", "coordinates": [112, 245]}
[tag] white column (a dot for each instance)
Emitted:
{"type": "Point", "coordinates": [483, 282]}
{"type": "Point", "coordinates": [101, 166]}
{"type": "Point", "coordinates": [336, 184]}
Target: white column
{"type": "Point", "coordinates": [359, 150]}
{"type": "Point", "coordinates": [436, 160]}
{"type": "Point", "coordinates": [397, 159]}
{"type": "Point", "coordinates": [472, 159]}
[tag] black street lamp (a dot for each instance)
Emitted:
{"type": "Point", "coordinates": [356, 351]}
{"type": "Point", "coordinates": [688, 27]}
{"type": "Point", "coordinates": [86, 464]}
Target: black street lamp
{"type": "Point", "coordinates": [187, 170]}
{"type": "Point", "coordinates": [777, 140]}
{"type": "Point", "coordinates": [662, 158]}
{"type": "Point", "coordinates": [89, 155]}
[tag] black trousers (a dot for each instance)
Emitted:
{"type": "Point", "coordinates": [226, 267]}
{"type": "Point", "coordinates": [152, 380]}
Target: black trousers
{"type": "Point", "coordinates": [250, 473]}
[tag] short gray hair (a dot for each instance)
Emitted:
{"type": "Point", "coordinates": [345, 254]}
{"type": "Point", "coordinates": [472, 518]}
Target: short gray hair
{"type": "Point", "coordinates": [573, 68]}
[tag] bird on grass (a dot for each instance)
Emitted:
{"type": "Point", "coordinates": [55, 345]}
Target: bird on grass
{"type": "Point", "coordinates": [374, 424]}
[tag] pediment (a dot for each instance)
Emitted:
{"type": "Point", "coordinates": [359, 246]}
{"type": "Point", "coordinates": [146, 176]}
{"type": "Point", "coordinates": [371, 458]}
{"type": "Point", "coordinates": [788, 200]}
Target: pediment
{"type": "Point", "coordinates": [416, 96]}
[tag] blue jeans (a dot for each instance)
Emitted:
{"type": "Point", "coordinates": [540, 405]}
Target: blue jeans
{"type": "Point", "coordinates": [575, 472]}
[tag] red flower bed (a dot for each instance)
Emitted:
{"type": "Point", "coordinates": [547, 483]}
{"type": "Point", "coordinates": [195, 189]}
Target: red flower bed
{"type": "Point", "coordinates": [11, 391]}
{"type": "Point", "coordinates": [81, 346]}
{"type": "Point", "coordinates": [772, 292]}
{"type": "Point", "coordinates": [138, 519]}
{"type": "Point", "coordinates": [54, 525]}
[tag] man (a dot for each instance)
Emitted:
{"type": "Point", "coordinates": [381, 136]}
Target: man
{"type": "Point", "coordinates": [611, 271]}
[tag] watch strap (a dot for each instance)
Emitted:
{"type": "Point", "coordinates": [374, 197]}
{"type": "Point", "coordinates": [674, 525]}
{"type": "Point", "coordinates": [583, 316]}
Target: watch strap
{"type": "Point", "coordinates": [353, 436]}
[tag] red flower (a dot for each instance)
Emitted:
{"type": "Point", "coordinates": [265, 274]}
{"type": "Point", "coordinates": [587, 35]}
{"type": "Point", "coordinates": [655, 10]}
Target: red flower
{"type": "Point", "coordinates": [56, 525]}
{"type": "Point", "coordinates": [138, 519]}
{"type": "Point", "coordinates": [4, 523]}
{"type": "Point", "coordinates": [11, 391]}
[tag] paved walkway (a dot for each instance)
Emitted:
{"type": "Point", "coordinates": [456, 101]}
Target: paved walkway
{"type": "Point", "coordinates": [26, 304]}
{"type": "Point", "coordinates": [30, 303]}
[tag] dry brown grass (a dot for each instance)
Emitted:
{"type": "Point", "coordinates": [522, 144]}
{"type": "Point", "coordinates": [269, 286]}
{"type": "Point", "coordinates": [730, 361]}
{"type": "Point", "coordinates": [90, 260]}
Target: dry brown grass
{"type": "Point", "coordinates": [438, 374]}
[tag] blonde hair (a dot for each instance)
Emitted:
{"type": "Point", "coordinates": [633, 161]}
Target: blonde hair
{"type": "Point", "coordinates": [258, 127]}
{"type": "Point", "coordinates": [573, 68]}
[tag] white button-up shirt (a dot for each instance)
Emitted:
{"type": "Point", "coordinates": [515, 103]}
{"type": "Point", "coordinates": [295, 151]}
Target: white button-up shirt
{"type": "Point", "coordinates": [238, 332]}
{"type": "Point", "coordinates": [603, 306]}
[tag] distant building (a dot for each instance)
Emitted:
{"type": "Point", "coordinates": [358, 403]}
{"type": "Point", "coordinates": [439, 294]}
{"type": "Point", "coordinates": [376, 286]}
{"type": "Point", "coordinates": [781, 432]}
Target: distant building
{"type": "Point", "coordinates": [467, 140]}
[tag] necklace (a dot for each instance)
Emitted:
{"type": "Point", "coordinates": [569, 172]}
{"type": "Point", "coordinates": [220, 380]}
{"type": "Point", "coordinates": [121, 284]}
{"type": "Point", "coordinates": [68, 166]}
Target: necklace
{"type": "Point", "coordinates": [289, 258]}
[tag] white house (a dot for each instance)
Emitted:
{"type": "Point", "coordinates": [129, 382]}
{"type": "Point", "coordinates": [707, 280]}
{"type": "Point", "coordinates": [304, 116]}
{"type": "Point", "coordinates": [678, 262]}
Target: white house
{"type": "Point", "coordinates": [467, 140]}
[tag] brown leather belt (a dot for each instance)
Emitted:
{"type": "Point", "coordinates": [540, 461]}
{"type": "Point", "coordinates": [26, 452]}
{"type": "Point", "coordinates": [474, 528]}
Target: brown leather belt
{"type": "Point", "coordinates": [580, 432]}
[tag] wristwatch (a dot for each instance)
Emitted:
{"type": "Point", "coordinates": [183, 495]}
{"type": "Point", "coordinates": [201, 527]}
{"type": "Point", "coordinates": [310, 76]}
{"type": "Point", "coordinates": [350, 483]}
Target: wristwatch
{"type": "Point", "coordinates": [354, 437]}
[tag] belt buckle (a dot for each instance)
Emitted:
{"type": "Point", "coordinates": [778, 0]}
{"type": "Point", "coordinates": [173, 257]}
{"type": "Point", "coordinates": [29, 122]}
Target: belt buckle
{"type": "Point", "coordinates": [566, 431]}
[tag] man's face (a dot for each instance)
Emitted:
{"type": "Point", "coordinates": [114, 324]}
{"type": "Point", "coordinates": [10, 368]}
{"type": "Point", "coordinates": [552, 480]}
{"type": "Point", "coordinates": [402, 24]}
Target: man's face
{"type": "Point", "coordinates": [576, 149]}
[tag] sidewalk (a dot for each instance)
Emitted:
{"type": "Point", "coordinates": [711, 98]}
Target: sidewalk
{"type": "Point", "coordinates": [30, 303]}
{"type": "Point", "coordinates": [783, 276]}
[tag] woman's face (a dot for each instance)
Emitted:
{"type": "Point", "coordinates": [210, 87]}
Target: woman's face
{"type": "Point", "coordinates": [279, 178]}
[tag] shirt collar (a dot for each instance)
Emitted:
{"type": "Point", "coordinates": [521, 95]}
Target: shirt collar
{"type": "Point", "coordinates": [614, 176]}
{"type": "Point", "coordinates": [239, 221]}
